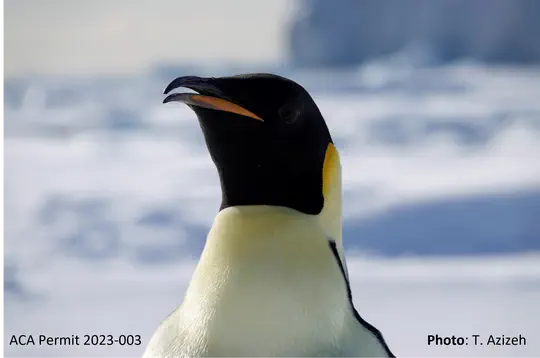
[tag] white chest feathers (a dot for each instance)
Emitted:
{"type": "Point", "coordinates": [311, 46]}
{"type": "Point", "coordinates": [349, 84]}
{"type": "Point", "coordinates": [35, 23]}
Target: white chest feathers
{"type": "Point", "coordinates": [267, 284]}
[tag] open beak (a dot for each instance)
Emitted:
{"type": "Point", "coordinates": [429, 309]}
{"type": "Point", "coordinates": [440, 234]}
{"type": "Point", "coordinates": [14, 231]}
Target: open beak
{"type": "Point", "coordinates": [204, 100]}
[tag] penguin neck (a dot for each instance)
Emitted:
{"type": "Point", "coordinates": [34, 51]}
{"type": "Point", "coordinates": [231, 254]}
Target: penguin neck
{"type": "Point", "coordinates": [267, 272]}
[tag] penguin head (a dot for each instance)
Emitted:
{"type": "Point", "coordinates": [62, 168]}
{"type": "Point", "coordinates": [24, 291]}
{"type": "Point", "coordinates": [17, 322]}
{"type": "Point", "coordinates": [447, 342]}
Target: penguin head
{"type": "Point", "coordinates": [267, 138]}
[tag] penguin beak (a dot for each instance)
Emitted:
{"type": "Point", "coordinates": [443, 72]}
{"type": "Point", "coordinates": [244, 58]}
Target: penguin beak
{"type": "Point", "coordinates": [209, 96]}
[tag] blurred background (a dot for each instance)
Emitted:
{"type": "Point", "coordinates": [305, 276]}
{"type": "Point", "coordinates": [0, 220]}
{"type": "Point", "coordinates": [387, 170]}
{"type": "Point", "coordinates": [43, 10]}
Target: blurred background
{"type": "Point", "coordinates": [434, 107]}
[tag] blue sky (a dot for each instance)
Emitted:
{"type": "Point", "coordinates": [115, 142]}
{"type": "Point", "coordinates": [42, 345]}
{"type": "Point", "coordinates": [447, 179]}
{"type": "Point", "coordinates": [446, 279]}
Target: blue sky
{"type": "Point", "coordinates": [102, 36]}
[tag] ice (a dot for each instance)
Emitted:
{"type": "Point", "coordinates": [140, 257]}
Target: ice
{"type": "Point", "coordinates": [422, 31]}
{"type": "Point", "coordinates": [109, 195]}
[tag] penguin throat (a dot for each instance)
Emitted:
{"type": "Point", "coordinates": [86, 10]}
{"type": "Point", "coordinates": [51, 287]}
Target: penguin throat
{"type": "Point", "coordinates": [256, 186]}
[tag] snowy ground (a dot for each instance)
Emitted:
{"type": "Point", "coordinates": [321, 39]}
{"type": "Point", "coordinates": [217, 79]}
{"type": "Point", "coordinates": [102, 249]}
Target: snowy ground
{"type": "Point", "coordinates": [407, 299]}
{"type": "Point", "coordinates": [109, 195]}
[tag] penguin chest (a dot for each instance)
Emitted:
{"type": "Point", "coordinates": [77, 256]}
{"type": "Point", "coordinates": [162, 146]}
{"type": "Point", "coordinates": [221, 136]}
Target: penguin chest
{"type": "Point", "coordinates": [263, 337]}
{"type": "Point", "coordinates": [271, 305]}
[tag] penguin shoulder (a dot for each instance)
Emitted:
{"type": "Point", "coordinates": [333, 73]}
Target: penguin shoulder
{"type": "Point", "coordinates": [172, 339]}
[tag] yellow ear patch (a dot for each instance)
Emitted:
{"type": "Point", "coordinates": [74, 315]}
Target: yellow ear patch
{"type": "Point", "coordinates": [330, 216]}
{"type": "Point", "coordinates": [330, 166]}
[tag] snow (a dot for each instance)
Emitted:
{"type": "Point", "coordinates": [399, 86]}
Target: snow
{"type": "Point", "coordinates": [352, 32]}
{"type": "Point", "coordinates": [109, 195]}
{"type": "Point", "coordinates": [408, 299]}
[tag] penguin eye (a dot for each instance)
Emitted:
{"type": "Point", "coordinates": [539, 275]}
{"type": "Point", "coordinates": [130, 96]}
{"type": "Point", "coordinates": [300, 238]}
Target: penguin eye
{"type": "Point", "coordinates": [288, 113]}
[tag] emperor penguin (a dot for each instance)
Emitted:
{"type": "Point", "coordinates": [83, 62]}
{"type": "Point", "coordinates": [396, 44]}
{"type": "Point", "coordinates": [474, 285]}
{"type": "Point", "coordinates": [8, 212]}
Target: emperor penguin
{"type": "Point", "coordinates": [272, 278]}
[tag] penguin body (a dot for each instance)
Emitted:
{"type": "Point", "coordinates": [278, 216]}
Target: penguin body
{"type": "Point", "coordinates": [272, 279]}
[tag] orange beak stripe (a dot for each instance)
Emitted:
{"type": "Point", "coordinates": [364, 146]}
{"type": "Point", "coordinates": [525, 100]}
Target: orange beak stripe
{"type": "Point", "coordinates": [211, 103]}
